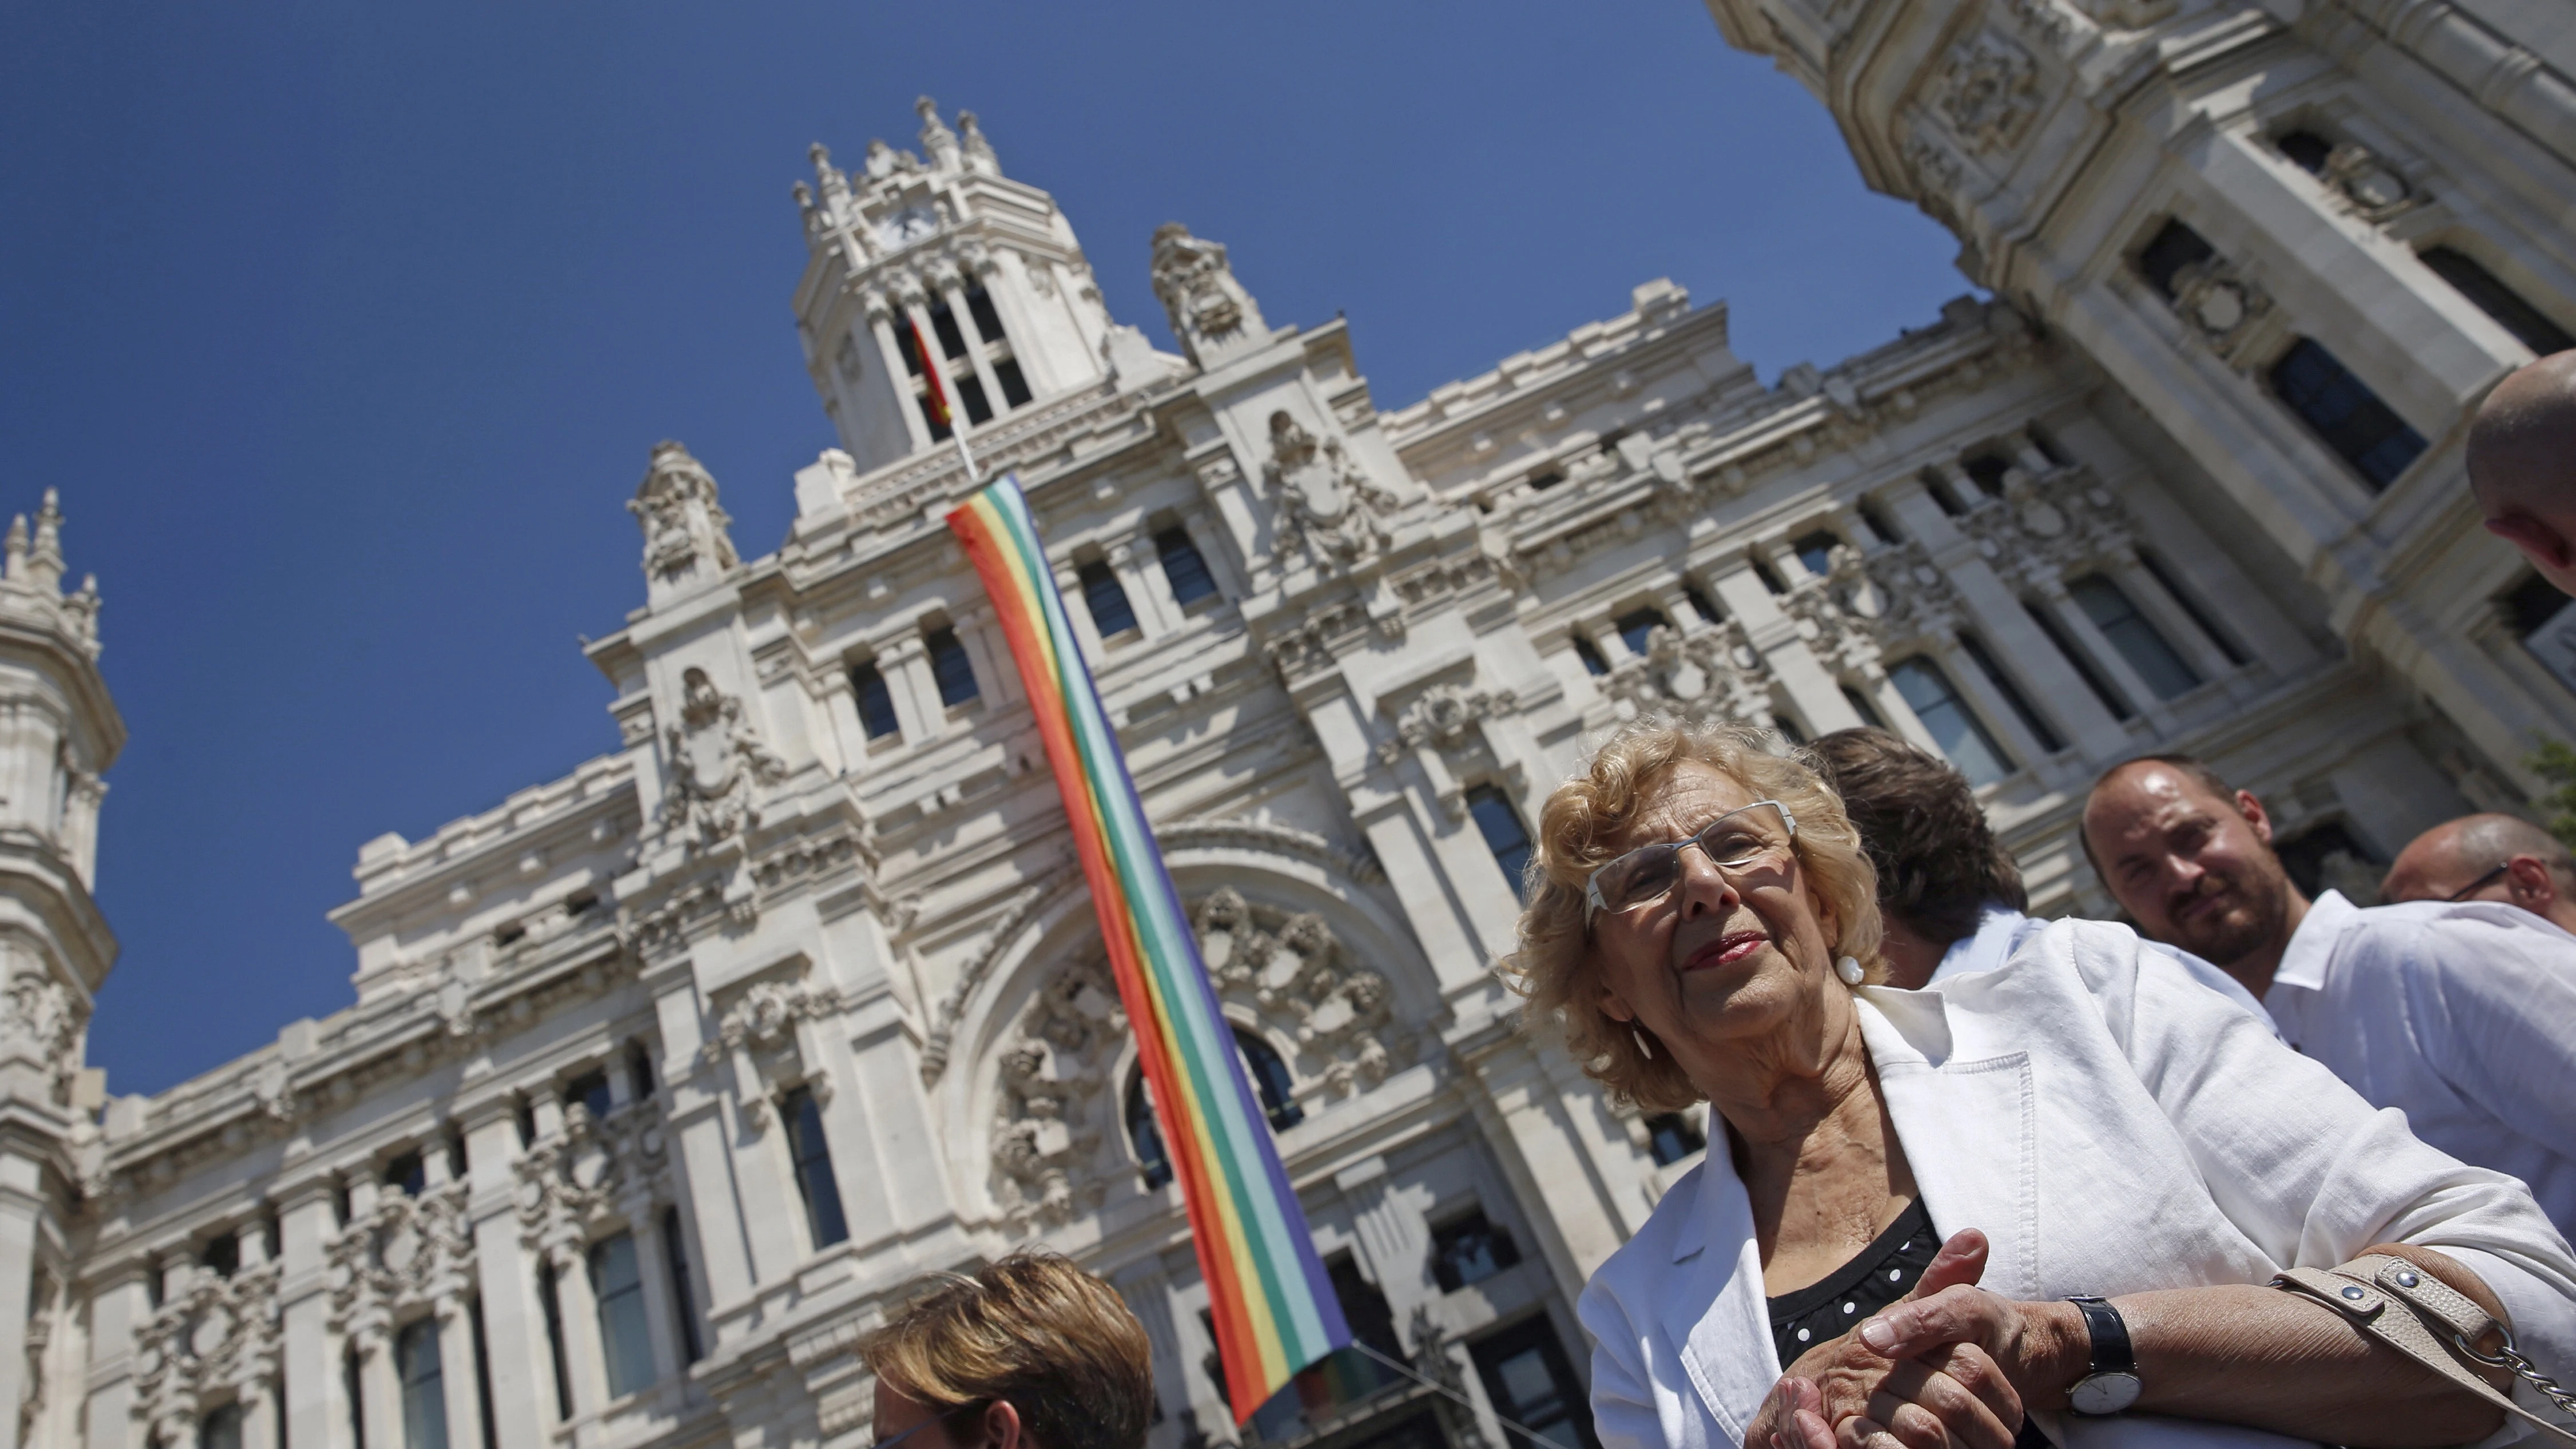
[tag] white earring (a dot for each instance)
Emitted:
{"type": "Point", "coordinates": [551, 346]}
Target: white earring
{"type": "Point", "coordinates": [1849, 970]}
{"type": "Point", "coordinates": [1639, 1038]}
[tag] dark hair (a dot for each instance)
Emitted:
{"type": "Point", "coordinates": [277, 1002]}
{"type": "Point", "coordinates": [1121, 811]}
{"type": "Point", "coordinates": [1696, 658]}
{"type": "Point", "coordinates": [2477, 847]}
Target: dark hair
{"type": "Point", "coordinates": [1032, 1329]}
{"type": "Point", "coordinates": [1938, 860]}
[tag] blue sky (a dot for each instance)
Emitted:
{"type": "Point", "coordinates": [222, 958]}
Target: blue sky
{"type": "Point", "coordinates": [345, 331]}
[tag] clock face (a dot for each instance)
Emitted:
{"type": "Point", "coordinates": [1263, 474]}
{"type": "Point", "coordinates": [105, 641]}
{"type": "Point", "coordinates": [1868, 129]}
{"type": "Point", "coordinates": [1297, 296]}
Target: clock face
{"type": "Point", "coordinates": [910, 224]}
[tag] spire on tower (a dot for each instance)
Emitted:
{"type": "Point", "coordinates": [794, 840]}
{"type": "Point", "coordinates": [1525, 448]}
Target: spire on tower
{"type": "Point", "coordinates": [936, 139]}
{"type": "Point", "coordinates": [45, 560]}
{"type": "Point", "coordinates": [979, 151]}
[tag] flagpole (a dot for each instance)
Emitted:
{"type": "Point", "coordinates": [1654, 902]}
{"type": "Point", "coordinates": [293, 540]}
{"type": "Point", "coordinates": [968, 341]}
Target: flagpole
{"type": "Point", "coordinates": [957, 435]}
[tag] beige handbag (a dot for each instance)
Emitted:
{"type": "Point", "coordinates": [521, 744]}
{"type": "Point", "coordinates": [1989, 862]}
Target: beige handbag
{"type": "Point", "coordinates": [2437, 1327]}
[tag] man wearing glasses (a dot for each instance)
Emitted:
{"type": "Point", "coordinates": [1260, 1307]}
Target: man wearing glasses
{"type": "Point", "coordinates": [2460, 1013]}
{"type": "Point", "coordinates": [2488, 858]}
{"type": "Point", "coordinates": [1029, 1353]}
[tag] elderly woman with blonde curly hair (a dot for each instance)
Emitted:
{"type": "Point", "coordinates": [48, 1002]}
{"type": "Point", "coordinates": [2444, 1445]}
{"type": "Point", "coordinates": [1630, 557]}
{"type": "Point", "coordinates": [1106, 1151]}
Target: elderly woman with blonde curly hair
{"type": "Point", "coordinates": [2044, 1199]}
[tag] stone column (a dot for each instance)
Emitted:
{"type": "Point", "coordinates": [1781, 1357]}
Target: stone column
{"type": "Point", "coordinates": [2106, 656]}
{"type": "Point", "coordinates": [118, 1309]}
{"type": "Point", "coordinates": [514, 1329]}
{"type": "Point", "coordinates": [899, 377]}
{"type": "Point", "coordinates": [578, 1308]}
{"type": "Point", "coordinates": [455, 1374]}
{"type": "Point", "coordinates": [2182, 631]}
{"type": "Point", "coordinates": [259, 1411]}
{"type": "Point", "coordinates": [22, 1210]}
{"type": "Point", "coordinates": [2008, 633]}
{"type": "Point", "coordinates": [1816, 694]}
{"type": "Point", "coordinates": [317, 1407]}
{"type": "Point", "coordinates": [379, 1386]}
{"type": "Point", "coordinates": [974, 359]}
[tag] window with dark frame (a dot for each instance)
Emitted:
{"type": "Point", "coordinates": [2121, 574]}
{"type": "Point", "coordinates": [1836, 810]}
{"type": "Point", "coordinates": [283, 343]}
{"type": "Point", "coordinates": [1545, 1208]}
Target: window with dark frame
{"type": "Point", "coordinates": [1504, 834]}
{"type": "Point", "coordinates": [2306, 149]}
{"type": "Point", "coordinates": [1861, 706]}
{"type": "Point", "coordinates": [2019, 703]}
{"type": "Point", "coordinates": [2189, 602]}
{"type": "Point", "coordinates": [979, 307]}
{"type": "Point", "coordinates": [1470, 1249]}
{"type": "Point", "coordinates": [1106, 598]}
{"type": "Point", "coordinates": [943, 325]}
{"type": "Point", "coordinates": [407, 1173]}
{"type": "Point", "coordinates": [1816, 550]}
{"type": "Point", "coordinates": [875, 701]}
{"type": "Point", "coordinates": [424, 1385]}
{"type": "Point", "coordinates": [590, 1089]}
{"type": "Point", "coordinates": [1270, 1080]}
{"type": "Point", "coordinates": [1015, 387]}
{"type": "Point", "coordinates": [2153, 658]}
{"type": "Point", "coordinates": [970, 395]}
{"type": "Point", "coordinates": [1952, 723]}
{"type": "Point", "coordinates": [675, 1249]}
{"type": "Point", "coordinates": [1183, 568]}
{"type": "Point", "coordinates": [1590, 654]}
{"type": "Point", "coordinates": [2079, 661]}
{"type": "Point", "coordinates": [2487, 292]}
{"type": "Point", "coordinates": [2345, 414]}
{"type": "Point", "coordinates": [810, 1156]}
{"type": "Point", "coordinates": [1673, 1136]}
{"type": "Point", "coordinates": [221, 1428]}
{"type": "Point", "coordinates": [1145, 1134]}
{"type": "Point", "coordinates": [2173, 247]}
{"type": "Point", "coordinates": [950, 669]}
{"type": "Point", "coordinates": [222, 1254]}
{"type": "Point", "coordinates": [1531, 1382]}
{"type": "Point", "coordinates": [1638, 625]}
{"type": "Point", "coordinates": [625, 1330]}
{"type": "Point", "coordinates": [1700, 605]}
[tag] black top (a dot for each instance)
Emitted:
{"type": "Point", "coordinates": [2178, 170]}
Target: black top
{"type": "Point", "coordinates": [1879, 1275]}
{"type": "Point", "coordinates": [1883, 1272]}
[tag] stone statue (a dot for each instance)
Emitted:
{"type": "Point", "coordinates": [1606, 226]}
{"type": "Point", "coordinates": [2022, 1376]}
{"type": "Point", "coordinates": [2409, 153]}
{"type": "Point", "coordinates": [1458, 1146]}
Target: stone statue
{"type": "Point", "coordinates": [685, 529]}
{"type": "Point", "coordinates": [1325, 506]}
{"type": "Point", "coordinates": [1210, 312]}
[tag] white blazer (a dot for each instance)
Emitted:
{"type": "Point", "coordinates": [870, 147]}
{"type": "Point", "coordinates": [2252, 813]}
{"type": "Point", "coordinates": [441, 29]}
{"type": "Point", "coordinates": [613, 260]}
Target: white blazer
{"type": "Point", "coordinates": [2112, 1127]}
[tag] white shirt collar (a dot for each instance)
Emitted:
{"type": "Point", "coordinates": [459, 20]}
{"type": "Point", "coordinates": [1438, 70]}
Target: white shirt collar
{"type": "Point", "coordinates": [2303, 961]}
{"type": "Point", "coordinates": [1998, 930]}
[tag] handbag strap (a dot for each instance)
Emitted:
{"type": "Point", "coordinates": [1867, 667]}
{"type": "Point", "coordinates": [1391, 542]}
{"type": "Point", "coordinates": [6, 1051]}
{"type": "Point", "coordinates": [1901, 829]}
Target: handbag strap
{"type": "Point", "coordinates": [2439, 1328]}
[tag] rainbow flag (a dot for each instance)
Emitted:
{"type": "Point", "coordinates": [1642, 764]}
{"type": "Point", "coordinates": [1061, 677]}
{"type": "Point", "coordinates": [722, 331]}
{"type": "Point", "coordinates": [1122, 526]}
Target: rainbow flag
{"type": "Point", "coordinates": [1272, 1302]}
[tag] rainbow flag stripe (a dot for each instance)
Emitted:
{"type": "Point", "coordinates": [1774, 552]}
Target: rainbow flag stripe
{"type": "Point", "coordinates": [1272, 1302]}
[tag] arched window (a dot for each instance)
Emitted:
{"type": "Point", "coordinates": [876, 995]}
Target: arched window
{"type": "Point", "coordinates": [1146, 1135]}
{"type": "Point", "coordinates": [1271, 1083]}
{"type": "Point", "coordinates": [1270, 1080]}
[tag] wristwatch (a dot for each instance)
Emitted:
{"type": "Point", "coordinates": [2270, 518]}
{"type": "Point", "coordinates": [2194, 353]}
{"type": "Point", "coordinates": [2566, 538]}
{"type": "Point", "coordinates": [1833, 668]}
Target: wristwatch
{"type": "Point", "coordinates": [2111, 1385]}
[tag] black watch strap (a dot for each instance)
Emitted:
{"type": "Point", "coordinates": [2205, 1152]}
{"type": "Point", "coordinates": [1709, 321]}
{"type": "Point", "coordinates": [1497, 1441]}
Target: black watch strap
{"type": "Point", "coordinates": [2111, 1384]}
{"type": "Point", "coordinates": [2111, 1351]}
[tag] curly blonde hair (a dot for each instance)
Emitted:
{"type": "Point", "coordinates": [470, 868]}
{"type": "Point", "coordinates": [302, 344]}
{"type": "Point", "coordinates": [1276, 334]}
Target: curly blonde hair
{"type": "Point", "coordinates": [1587, 816]}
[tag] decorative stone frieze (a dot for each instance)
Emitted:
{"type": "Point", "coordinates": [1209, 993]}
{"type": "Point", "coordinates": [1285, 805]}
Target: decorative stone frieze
{"type": "Point", "coordinates": [1917, 600]}
{"type": "Point", "coordinates": [1058, 1134]}
{"type": "Point", "coordinates": [1324, 506]}
{"type": "Point", "coordinates": [39, 1016]}
{"type": "Point", "coordinates": [717, 765]}
{"type": "Point", "coordinates": [1210, 312]}
{"type": "Point", "coordinates": [686, 535]}
{"type": "Point", "coordinates": [1989, 91]}
{"type": "Point", "coordinates": [595, 1168]}
{"type": "Point", "coordinates": [1710, 673]}
{"type": "Point", "coordinates": [764, 1017]}
{"type": "Point", "coordinates": [2048, 526]}
{"type": "Point", "coordinates": [1443, 718]}
{"type": "Point", "coordinates": [1837, 615]}
{"type": "Point", "coordinates": [405, 1253]}
{"type": "Point", "coordinates": [212, 1338]}
{"type": "Point", "coordinates": [2224, 310]}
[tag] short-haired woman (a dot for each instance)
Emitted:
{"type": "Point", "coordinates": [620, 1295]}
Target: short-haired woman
{"type": "Point", "coordinates": [1909, 1190]}
{"type": "Point", "coordinates": [1029, 1353]}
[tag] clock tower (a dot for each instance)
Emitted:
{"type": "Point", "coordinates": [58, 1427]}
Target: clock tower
{"type": "Point", "coordinates": [982, 268]}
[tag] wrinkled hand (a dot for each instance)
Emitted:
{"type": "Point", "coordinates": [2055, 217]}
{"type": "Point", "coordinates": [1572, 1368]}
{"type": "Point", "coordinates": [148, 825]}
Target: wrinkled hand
{"type": "Point", "coordinates": [1918, 1389]}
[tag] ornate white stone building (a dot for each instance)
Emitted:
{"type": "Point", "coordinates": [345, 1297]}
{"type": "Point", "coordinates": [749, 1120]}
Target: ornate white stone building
{"type": "Point", "coordinates": [662, 1076]}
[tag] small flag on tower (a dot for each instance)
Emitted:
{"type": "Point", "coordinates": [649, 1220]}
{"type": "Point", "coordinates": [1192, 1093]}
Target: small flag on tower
{"type": "Point", "coordinates": [1271, 1300]}
{"type": "Point", "coordinates": [941, 415]}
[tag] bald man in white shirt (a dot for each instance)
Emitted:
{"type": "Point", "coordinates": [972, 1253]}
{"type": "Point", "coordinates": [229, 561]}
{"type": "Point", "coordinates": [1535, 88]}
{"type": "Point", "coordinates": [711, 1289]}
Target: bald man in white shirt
{"type": "Point", "coordinates": [2461, 1014]}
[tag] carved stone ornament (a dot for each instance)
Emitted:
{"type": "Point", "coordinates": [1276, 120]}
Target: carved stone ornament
{"type": "Point", "coordinates": [1916, 599]}
{"type": "Point", "coordinates": [408, 1251]}
{"type": "Point", "coordinates": [686, 534]}
{"type": "Point", "coordinates": [1837, 614]}
{"type": "Point", "coordinates": [2372, 186]}
{"type": "Point", "coordinates": [1711, 673]}
{"type": "Point", "coordinates": [717, 765]}
{"type": "Point", "coordinates": [1059, 1135]}
{"type": "Point", "coordinates": [214, 1337]}
{"type": "Point", "coordinates": [1989, 91]}
{"type": "Point", "coordinates": [38, 1015]}
{"type": "Point", "coordinates": [1323, 505]}
{"type": "Point", "coordinates": [1209, 310]}
{"type": "Point", "coordinates": [2047, 526]}
{"type": "Point", "coordinates": [1444, 718]}
{"type": "Point", "coordinates": [592, 1168]}
{"type": "Point", "coordinates": [764, 1017]}
{"type": "Point", "coordinates": [2223, 310]}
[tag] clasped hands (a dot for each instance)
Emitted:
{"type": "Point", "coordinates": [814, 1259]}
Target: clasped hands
{"type": "Point", "coordinates": [1947, 1367]}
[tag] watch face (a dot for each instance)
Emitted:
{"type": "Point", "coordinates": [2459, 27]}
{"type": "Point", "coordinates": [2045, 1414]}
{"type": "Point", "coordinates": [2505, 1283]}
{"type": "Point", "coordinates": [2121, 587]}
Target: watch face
{"type": "Point", "coordinates": [2104, 1394]}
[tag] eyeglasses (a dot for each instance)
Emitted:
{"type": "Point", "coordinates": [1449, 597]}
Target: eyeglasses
{"type": "Point", "coordinates": [2481, 883]}
{"type": "Point", "coordinates": [1738, 843]}
{"type": "Point", "coordinates": [940, 1417]}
